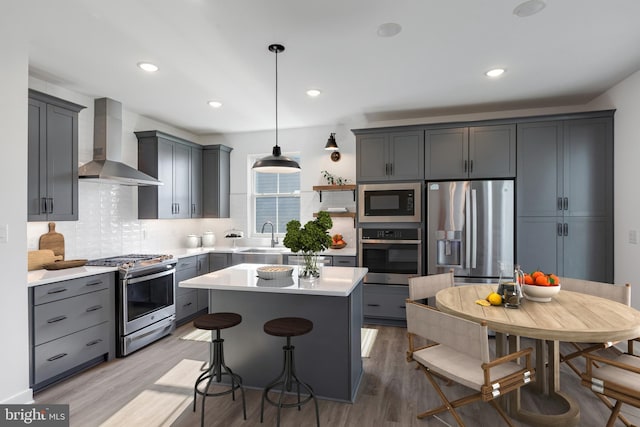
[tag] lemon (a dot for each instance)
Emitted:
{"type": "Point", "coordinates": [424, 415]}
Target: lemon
{"type": "Point", "coordinates": [494, 298]}
{"type": "Point", "coordinates": [483, 302]}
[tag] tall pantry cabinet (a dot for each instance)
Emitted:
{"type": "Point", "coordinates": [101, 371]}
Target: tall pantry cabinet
{"type": "Point", "coordinates": [565, 196]}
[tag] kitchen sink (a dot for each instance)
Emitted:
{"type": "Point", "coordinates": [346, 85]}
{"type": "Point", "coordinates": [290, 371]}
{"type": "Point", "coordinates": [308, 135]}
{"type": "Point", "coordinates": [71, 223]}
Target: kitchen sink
{"type": "Point", "coordinates": [259, 256]}
{"type": "Point", "coordinates": [264, 250]}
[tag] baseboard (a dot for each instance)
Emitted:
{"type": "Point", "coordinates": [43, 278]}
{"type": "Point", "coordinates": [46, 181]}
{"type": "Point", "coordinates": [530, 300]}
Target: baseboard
{"type": "Point", "coordinates": [25, 397]}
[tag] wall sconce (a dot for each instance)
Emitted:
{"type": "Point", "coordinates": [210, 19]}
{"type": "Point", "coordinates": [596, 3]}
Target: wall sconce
{"type": "Point", "coordinates": [333, 146]}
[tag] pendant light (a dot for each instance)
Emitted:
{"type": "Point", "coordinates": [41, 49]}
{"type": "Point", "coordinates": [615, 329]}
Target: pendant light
{"type": "Point", "coordinates": [276, 162]}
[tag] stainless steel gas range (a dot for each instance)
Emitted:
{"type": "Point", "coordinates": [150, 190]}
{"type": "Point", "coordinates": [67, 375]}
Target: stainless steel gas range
{"type": "Point", "coordinates": [145, 299]}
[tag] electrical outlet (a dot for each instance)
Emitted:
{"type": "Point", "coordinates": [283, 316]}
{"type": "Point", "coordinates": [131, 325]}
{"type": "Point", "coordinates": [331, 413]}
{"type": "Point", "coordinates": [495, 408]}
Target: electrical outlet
{"type": "Point", "coordinates": [633, 237]}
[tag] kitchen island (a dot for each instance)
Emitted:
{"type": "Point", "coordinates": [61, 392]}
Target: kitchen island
{"type": "Point", "coordinates": [328, 358]}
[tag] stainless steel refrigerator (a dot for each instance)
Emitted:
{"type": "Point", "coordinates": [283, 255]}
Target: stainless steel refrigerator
{"type": "Point", "coordinates": [470, 229]}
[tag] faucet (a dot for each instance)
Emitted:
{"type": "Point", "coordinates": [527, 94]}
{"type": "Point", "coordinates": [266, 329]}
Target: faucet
{"type": "Point", "coordinates": [274, 240]}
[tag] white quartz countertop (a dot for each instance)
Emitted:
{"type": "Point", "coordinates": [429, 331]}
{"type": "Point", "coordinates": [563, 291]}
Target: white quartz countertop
{"type": "Point", "coordinates": [42, 277]}
{"type": "Point", "coordinates": [187, 252]}
{"type": "Point", "coordinates": [333, 281]}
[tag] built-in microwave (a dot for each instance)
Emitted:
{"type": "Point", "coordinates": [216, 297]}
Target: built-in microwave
{"type": "Point", "coordinates": [393, 202]}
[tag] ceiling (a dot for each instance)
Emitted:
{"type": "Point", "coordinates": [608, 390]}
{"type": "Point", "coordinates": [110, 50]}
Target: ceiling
{"type": "Point", "coordinates": [568, 53]}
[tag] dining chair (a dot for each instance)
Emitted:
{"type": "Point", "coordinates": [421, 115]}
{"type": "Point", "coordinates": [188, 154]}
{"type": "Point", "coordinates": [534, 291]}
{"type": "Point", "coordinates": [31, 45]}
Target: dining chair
{"type": "Point", "coordinates": [618, 293]}
{"type": "Point", "coordinates": [617, 378]}
{"type": "Point", "coordinates": [459, 350]}
{"type": "Point", "coordinates": [424, 287]}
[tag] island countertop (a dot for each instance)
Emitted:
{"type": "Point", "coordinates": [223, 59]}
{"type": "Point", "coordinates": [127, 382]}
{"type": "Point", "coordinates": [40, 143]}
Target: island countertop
{"type": "Point", "coordinates": [333, 281]}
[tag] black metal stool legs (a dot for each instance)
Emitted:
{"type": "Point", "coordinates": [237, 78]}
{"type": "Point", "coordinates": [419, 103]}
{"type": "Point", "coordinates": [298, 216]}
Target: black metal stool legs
{"type": "Point", "coordinates": [286, 380]}
{"type": "Point", "coordinates": [217, 369]}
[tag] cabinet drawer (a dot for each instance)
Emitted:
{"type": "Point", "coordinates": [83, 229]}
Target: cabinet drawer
{"type": "Point", "coordinates": [385, 301]}
{"type": "Point", "coordinates": [58, 356]}
{"type": "Point", "coordinates": [344, 261]}
{"type": "Point", "coordinates": [59, 318]}
{"type": "Point", "coordinates": [69, 288]}
{"type": "Point", "coordinates": [185, 263]}
{"type": "Point", "coordinates": [186, 304]}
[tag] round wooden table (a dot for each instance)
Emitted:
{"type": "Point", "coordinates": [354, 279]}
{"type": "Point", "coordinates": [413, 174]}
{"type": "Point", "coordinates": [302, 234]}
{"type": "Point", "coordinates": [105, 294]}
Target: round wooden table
{"type": "Point", "coordinates": [569, 316]}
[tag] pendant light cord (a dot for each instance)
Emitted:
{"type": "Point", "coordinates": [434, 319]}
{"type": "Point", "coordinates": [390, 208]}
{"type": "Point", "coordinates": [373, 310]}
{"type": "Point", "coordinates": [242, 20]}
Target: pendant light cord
{"type": "Point", "coordinates": [276, 98]}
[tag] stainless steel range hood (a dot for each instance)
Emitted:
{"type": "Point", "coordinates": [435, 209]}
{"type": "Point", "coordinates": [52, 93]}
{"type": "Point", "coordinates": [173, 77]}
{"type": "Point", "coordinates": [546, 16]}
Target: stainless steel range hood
{"type": "Point", "coordinates": [106, 166]}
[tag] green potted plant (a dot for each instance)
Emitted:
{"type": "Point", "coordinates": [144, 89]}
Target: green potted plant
{"type": "Point", "coordinates": [308, 241]}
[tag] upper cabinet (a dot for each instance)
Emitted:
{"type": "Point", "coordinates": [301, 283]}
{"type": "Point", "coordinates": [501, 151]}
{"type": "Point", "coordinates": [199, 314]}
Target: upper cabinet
{"type": "Point", "coordinates": [390, 156]}
{"type": "Point", "coordinates": [196, 182]}
{"type": "Point", "coordinates": [52, 158]}
{"type": "Point", "coordinates": [471, 152]}
{"type": "Point", "coordinates": [168, 159]}
{"type": "Point", "coordinates": [216, 181]}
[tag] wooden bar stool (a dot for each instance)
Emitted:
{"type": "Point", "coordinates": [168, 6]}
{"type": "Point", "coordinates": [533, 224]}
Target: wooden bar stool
{"type": "Point", "coordinates": [217, 367]}
{"type": "Point", "coordinates": [288, 327]}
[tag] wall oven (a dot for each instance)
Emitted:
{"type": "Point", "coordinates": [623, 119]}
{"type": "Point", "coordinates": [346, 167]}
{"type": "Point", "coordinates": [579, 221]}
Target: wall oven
{"type": "Point", "coordinates": [392, 255]}
{"type": "Point", "coordinates": [393, 202]}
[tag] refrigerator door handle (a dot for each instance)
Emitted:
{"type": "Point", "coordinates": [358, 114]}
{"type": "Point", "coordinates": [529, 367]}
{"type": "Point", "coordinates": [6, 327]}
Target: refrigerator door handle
{"type": "Point", "coordinates": [474, 227]}
{"type": "Point", "coordinates": [467, 227]}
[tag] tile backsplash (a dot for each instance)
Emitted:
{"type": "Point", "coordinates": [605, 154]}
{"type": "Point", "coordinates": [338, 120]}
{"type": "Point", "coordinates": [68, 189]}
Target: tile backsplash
{"type": "Point", "coordinates": [108, 224]}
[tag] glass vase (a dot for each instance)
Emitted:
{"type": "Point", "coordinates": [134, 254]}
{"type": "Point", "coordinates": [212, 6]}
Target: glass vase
{"type": "Point", "coordinates": [308, 267]}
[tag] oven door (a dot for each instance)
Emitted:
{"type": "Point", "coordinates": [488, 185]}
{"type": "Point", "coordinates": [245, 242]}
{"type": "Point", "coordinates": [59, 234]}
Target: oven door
{"type": "Point", "coordinates": [390, 262]}
{"type": "Point", "coordinates": [146, 299]}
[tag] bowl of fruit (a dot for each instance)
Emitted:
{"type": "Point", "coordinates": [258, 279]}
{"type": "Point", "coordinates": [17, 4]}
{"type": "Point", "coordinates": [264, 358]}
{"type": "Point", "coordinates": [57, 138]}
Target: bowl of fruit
{"type": "Point", "coordinates": [337, 241]}
{"type": "Point", "coordinates": [540, 287]}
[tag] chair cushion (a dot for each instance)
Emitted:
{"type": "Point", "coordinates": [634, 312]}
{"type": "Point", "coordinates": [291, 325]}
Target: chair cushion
{"type": "Point", "coordinates": [621, 377]}
{"type": "Point", "coordinates": [459, 367]}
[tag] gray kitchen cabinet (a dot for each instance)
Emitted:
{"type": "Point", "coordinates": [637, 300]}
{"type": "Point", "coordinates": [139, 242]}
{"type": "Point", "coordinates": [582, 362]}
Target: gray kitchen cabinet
{"type": "Point", "coordinates": [52, 185]}
{"type": "Point", "coordinates": [470, 152]}
{"type": "Point", "coordinates": [218, 261]}
{"type": "Point", "coordinates": [167, 158]}
{"type": "Point", "coordinates": [343, 261]}
{"type": "Point", "coordinates": [384, 304]}
{"type": "Point", "coordinates": [71, 327]}
{"type": "Point", "coordinates": [564, 198]}
{"type": "Point", "coordinates": [191, 302]}
{"type": "Point", "coordinates": [216, 181]}
{"type": "Point", "coordinates": [196, 182]}
{"type": "Point", "coordinates": [389, 156]}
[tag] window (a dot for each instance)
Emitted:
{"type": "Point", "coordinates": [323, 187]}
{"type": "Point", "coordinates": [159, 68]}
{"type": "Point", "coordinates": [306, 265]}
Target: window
{"type": "Point", "coordinates": [275, 198]}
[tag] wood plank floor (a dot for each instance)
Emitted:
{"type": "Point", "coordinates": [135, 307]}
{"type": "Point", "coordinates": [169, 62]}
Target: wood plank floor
{"type": "Point", "coordinates": [153, 387]}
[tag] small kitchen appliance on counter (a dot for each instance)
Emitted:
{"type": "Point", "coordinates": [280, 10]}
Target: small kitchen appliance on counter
{"type": "Point", "coordinates": [145, 299]}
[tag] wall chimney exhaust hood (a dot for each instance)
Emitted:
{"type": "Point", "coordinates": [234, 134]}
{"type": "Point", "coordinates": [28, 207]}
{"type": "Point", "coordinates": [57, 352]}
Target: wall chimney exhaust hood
{"type": "Point", "coordinates": [106, 166]}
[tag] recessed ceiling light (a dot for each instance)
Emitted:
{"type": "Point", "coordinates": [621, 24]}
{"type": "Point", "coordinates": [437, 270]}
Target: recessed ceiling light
{"type": "Point", "coordinates": [389, 29]}
{"type": "Point", "coordinates": [495, 72]}
{"type": "Point", "coordinates": [313, 92]}
{"type": "Point", "coordinates": [528, 8]}
{"type": "Point", "coordinates": [215, 104]}
{"type": "Point", "coordinates": [148, 66]}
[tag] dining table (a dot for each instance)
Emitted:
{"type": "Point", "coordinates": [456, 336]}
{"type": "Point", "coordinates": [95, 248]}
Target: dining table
{"type": "Point", "coordinates": [567, 317]}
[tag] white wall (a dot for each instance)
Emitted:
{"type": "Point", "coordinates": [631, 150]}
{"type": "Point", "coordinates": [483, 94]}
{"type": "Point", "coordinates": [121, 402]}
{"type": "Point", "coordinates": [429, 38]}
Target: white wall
{"type": "Point", "coordinates": [14, 357]}
{"type": "Point", "coordinates": [625, 97]}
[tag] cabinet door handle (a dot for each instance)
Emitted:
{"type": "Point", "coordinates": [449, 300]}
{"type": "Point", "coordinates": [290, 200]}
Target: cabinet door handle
{"type": "Point", "coordinates": [193, 208]}
{"type": "Point", "coordinates": [390, 168]}
{"type": "Point", "coordinates": [57, 291]}
{"type": "Point", "coordinates": [470, 166]}
{"type": "Point", "coordinates": [565, 229]}
{"type": "Point", "coordinates": [565, 204]}
{"type": "Point", "coordinates": [94, 308]}
{"type": "Point", "coordinates": [465, 166]}
{"type": "Point", "coordinates": [51, 205]}
{"type": "Point", "coordinates": [403, 307]}
{"type": "Point", "coordinates": [386, 168]}
{"type": "Point", "coordinates": [373, 305]}
{"type": "Point", "coordinates": [178, 208]}
{"type": "Point", "coordinates": [97, 282]}
{"type": "Point", "coordinates": [559, 203]}
{"type": "Point", "coordinates": [187, 304]}
{"type": "Point", "coordinates": [57, 356]}
{"type": "Point", "coordinates": [56, 319]}
{"type": "Point", "coordinates": [199, 267]}
{"type": "Point", "coordinates": [43, 205]}
{"type": "Point", "coordinates": [94, 342]}
{"type": "Point", "coordinates": [559, 229]}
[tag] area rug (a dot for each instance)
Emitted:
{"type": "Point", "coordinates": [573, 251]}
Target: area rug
{"type": "Point", "coordinates": [367, 338]}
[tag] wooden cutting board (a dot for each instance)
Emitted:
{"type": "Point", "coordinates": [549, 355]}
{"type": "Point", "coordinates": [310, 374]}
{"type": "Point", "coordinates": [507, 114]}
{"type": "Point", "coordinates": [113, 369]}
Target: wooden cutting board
{"type": "Point", "coordinates": [37, 259]}
{"type": "Point", "coordinates": [53, 240]}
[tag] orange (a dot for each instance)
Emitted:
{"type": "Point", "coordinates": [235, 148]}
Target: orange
{"type": "Point", "coordinates": [542, 280]}
{"type": "Point", "coordinates": [553, 279]}
{"type": "Point", "coordinates": [528, 279]}
{"type": "Point", "coordinates": [536, 274]}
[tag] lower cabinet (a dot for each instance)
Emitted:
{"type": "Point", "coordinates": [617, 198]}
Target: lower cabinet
{"type": "Point", "coordinates": [71, 327]}
{"type": "Point", "coordinates": [385, 304]}
{"type": "Point", "coordinates": [192, 302]}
